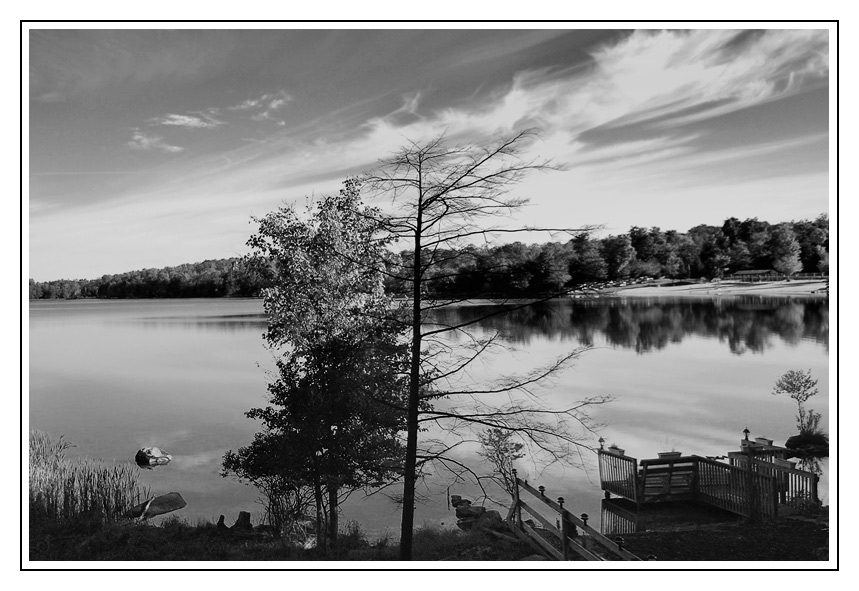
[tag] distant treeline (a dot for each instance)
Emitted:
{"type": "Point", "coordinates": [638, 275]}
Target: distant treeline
{"type": "Point", "coordinates": [515, 269]}
{"type": "Point", "coordinates": [209, 279]}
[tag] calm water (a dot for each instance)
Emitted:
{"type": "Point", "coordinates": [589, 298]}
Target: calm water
{"type": "Point", "coordinates": [114, 376]}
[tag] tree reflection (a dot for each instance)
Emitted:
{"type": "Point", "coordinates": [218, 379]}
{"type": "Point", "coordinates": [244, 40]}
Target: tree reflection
{"type": "Point", "coordinates": [744, 324]}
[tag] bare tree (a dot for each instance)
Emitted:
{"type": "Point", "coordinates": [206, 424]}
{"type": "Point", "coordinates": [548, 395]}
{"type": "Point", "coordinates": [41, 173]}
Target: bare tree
{"type": "Point", "coordinates": [445, 197]}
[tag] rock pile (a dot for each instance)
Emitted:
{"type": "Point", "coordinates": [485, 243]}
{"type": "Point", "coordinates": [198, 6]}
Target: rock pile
{"type": "Point", "coordinates": [471, 517]}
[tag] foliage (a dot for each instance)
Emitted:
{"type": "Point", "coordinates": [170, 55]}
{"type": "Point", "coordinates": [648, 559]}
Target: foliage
{"type": "Point", "coordinates": [63, 490]}
{"type": "Point", "coordinates": [496, 446]}
{"type": "Point", "coordinates": [785, 250]}
{"type": "Point", "coordinates": [211, 278]}
{"type": "Point", "coordinates": [334, 417]}
{"type": "Point", "coordinates": [512, 270]}
{"type": "Point", "coordinates": [800, 386]}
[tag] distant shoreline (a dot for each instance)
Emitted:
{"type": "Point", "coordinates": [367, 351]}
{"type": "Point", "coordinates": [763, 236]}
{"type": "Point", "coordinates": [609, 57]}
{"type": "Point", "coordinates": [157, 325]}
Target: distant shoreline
{"type": "Point", "coordinates": [816, 289]}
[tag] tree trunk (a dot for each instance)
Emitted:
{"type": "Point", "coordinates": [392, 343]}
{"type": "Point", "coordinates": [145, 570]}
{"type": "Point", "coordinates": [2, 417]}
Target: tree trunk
{"type": "Point", "coordinates": [333, 524]}
{"type": "Point", "coordinates": [320, 520]}
{"type": "Point", "coordinates": [410, 465]}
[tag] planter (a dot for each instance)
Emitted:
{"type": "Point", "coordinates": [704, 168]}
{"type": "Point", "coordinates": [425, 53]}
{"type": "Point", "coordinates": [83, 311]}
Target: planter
{"type": "Point", "coordinates": [616, 451]}
{"type": "Point", "coordinates": [763, 441]}
{"type": "Point", "coordinates": [784, 463]}
{"type": "Point", "coordinates": [669, 455]}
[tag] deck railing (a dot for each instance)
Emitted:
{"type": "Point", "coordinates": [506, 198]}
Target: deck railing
{"type": "Point", "coordinates": [791, 484]}
{"type": "Point", "coordinates": [567, 537]}
{"type": "Point", "coordinates": [619, 475]}
{"type": "Point", "coordinates": [753, 494]}
{"type": "Point", "coordinates": [735, 489]}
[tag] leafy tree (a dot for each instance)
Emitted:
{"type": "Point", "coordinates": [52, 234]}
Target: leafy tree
{"type": "Point", "coordinates": [497, 446]}
{"type": "Point", "coordinates": [444, 197]}
{"type": "Point", "coordinates": [586, 263]}
{"type": "Point", "coordinates": [756, 234]}
{"type": "Point", "coordinates": [800, 386]}
{"type": "Point", "coordinates": [785, 250]}
{"type": "Point", "coordinates": [823, 259]}
{"type": "Point", "coordinates": [618, 253]}
{"type": "Point", "coordinates": [336, 403]}
{"type": "Point", "coordinates": [550, 269]}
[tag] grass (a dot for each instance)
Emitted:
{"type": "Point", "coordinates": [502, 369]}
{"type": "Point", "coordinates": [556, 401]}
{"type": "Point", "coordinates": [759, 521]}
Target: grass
{"type": "Point", "coordinates": [176, 540]}
{"type": "Point", "coordinates": [63, 490]}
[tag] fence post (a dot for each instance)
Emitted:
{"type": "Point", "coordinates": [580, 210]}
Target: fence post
{"type": "Point", "coordinates": [564, 543]}
{"type": "Point", "coordinates": [751, 497]}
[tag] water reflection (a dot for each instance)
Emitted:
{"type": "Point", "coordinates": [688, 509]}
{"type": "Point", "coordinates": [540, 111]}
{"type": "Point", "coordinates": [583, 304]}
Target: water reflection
{"type": "Point", "coordinates": [220, 323]}
{"type": "Point", "coordinates": [743, 323]}
{"type": "Point", "coordinates": [620, 516]}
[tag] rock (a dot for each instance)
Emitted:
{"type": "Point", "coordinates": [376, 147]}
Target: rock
{"type": "Point", "coordinates": [157, 506]}
{"type": "Point", "coordinates": [243, 523]}
{"type": "Point", "coordinates": [221, 525]}
{"type": "Point", "coordinates": [466, 524]}
{"type": "Point", "coordinates": [458, 501]}
{"type": "Point", "coordinates": [491, 520]}
{"type": "Point", "coordinates": [149, 457]}
{"type": "Point", "coordinates": [465, 511]}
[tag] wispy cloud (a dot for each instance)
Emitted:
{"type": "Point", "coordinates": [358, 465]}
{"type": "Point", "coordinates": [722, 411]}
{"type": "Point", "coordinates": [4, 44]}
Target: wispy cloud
{"type": "Point", "coordinates": [204, 121]}
{"type": "Point", "coordinates": [661, 81]}
{"type": "Point", "coordinates": [264, 106]}
{"type": "Point", "coordinates": [143, 141]}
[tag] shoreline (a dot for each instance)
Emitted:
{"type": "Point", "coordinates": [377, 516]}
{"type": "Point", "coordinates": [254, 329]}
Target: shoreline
{"type": "Point", "coordinates": [814, 289]}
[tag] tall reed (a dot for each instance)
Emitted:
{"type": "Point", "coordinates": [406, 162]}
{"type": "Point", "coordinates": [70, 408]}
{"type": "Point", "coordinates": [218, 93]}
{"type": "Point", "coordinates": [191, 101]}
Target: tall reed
{"type": "Point", "coordinates": [64, 490]}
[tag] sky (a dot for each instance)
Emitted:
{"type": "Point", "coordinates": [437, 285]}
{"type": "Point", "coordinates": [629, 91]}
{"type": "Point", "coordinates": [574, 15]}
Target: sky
{"type": "Point", "coordinates": [155, 147]}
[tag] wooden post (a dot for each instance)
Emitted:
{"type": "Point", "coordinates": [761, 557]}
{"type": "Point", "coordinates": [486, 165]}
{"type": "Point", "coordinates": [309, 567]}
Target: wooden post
{"type": "Point", "coordinates": [751, 497]}
{"type": "Point", "coordinates": [564, 542]}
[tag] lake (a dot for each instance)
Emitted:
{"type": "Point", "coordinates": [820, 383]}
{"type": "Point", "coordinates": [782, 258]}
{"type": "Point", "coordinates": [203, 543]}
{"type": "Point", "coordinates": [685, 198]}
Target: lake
{"type": "Point", "coordinates": [113, 376]}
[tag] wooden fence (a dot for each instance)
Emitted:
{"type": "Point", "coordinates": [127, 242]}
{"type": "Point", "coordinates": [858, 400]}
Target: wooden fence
{"type": "Point", "coordinates": [791, 484]}
{"type": "Point", "coordinates": [619, 475]}
{"type": "Point", "coordinates": [735, 489]}
{"type": "Point", "coordinates": [569, 537]}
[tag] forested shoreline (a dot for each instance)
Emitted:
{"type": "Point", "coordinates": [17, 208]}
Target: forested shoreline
{"type": "Point", "coordinates": [514, 269]}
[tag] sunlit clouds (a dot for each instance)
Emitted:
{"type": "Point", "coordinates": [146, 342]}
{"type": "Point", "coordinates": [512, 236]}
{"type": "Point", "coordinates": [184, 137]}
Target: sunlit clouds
{"type": "Point", "coordinates": [201, 121]}
{"type": "Point", "coordinates": [142, 141]}
{"type": "Point", "coordinates": [667, 128]}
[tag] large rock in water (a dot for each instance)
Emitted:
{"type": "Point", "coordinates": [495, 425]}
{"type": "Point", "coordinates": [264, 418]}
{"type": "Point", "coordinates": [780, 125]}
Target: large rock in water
{"type": "Point", "coordinates": [149, 457]}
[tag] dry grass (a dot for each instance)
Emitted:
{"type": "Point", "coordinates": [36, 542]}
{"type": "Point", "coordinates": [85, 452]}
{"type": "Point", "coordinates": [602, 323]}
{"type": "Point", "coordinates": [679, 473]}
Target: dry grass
{"type": "Point", "coordinates": [63, 490]}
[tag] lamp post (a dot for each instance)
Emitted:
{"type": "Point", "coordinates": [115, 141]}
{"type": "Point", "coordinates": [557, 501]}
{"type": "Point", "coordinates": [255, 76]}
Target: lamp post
{"type": "Point", "coordinates": [601, 442]}
{"type": "Point", "coordinates": [746, 433]}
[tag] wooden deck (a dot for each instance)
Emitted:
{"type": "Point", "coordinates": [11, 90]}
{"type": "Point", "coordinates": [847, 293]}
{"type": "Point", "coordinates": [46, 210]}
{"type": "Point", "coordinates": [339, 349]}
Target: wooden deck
{"type": "Point", "coordinates": [754, 493]}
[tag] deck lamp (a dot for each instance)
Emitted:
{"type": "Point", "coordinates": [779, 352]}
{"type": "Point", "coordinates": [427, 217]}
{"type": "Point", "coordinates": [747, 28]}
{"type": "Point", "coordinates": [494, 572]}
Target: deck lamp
{"type": "Point", "coordinates": [601, 442]}
{"type": "Point", "coordinates": [746, 433]}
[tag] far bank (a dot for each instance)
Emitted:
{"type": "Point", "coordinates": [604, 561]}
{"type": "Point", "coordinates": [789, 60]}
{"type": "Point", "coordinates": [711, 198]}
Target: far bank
{"type": "Point", "coordinates": [815, 288]}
